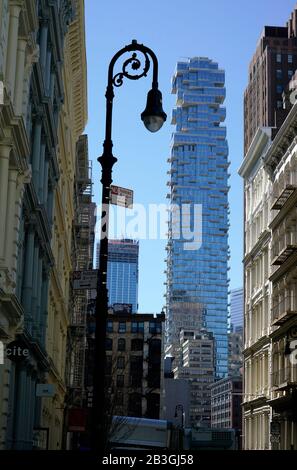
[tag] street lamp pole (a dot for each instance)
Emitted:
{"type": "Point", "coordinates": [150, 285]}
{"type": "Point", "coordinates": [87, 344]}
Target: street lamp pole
{"type": "Point", "coordinates": [153, 117]}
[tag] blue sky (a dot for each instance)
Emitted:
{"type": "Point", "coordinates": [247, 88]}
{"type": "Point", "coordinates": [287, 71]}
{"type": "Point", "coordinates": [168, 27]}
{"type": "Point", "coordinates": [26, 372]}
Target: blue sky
{"type": "Point", "coordinates": [223, 30]}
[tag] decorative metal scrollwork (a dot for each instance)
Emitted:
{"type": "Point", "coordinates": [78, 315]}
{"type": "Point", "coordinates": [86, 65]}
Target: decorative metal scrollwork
{"type": "Point", "coordinates": [134, 64]}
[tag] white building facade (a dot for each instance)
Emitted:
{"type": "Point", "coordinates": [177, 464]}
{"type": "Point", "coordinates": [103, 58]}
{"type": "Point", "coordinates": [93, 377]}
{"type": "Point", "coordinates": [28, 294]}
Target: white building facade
{"type": "Point", "coordinates": [269, 170]}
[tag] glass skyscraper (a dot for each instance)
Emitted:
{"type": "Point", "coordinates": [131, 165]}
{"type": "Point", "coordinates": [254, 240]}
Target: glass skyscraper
{"type": "Point", "coordinates": [236, 309]}
{"type": "Point", "coordinates": [197, 284]}
{"type": "Point", "coordinates": [122, 272]}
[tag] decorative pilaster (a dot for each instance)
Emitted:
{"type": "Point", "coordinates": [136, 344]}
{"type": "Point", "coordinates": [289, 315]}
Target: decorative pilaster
{"type": "Point", "coordinates": [36, 151]}
{"type": "Point", "coordinates": [14, 13]}
{"type": "Point", "coordinates": [43, 42]}
{"type": "Point", "coordinates": [41, 174]}
{"type": "Point", "coordinates": [28, 278]}
{"type": "Point", "coordinates": [48, 72]}
{"type": "Point", "coordinates": [19, 80]}
{"type": "Point", "coordinates": [10, 221]}
{"type": "Point", "coordinates": [21, 408]}
{"type": "Point", "coordinates": [45, 180]}
{"type": "Point", "coordinates": [34, 290]}
{"type": "Point", "coordinates": [4, 163]}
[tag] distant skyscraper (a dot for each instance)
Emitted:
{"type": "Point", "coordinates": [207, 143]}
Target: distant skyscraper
{"type": "Point", "coordinates": [236, 309]}
{"type": "Point", "coordinates": [197, 277]}
{"type": "Point", "coordinates": [122, 272]}
{"type": "Point", "coordinates": [270, 70]}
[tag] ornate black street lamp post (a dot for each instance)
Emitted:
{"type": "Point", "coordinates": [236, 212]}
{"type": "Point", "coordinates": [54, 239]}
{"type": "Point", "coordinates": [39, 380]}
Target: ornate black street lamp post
{"type": "Point", "coordinates": [153, 117]}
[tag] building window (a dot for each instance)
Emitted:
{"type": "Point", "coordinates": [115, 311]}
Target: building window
{"type": "Point", "coordinates": [279, 89]}
{"type": "Point", "coordinates": [109, 328]}
{"type": "Point", "coordinates": [108, 370]}
{"type": "Point", "coordinates": [155, 328]}
{"type": "Point", "coordinates": [290, 73]}
{"type": "Point", "coordinates": [290, 58]}
{"type": "Point", "coordinates": [121, 362]}
{"type": "Point", "coordinates": [120, 398]}
{"type": "Point", "coordinates": [137, 327]}
{"type": "Point", "coordinates": [108, 344]}
{"type": "Point", "coordinates": [122, 327]}
{"type": "Point", "coordinates": [121, 344]}
{"type": "Point", "coordinates": [278, 58]}
{"type": "Point", "coordinates": [279, 74]}
{"type": "Point", "coordinates": [136, 344]}
{"type": "Point", "coordinates": [135, 404]}
{"type": "Point", "coordinates": [120, 381]}
{"type": "Point", "coordinates": [279, 104]}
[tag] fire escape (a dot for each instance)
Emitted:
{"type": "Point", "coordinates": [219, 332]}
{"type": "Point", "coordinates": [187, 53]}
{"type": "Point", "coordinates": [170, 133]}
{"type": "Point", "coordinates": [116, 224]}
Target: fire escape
{"type": "Point", "coordinates": [82, 258]}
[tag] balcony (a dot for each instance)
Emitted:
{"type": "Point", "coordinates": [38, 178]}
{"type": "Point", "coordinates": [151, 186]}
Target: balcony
{"type": "Point", "coordinates": [285, 378]}
{"type": "Point", "coordinates": [280, 201]}
{"type": "Point", "coordinates": [284, 310]}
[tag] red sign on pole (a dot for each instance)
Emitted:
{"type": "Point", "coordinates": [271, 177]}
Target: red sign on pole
{"type": "Point", "coordinates": [77, 419]}
{"type": "Point", "coordinates": [121, 196]}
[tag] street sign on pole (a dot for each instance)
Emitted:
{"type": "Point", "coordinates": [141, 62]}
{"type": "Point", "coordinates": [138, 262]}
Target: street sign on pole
{"type": "Point", "coordinates": [121, 196]}
{"type": "Point", "coordinates": [85, 279]}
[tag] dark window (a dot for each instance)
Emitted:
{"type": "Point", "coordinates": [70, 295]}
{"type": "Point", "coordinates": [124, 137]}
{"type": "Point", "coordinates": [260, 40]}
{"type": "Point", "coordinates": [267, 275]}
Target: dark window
{"type": "Point", "coordinates": [154, 363]}
{"type": "Point", "coordinates": [120, 380]}
{"type": "Point", "coordinates": [290, 58]}
{"type": "Point", "coordinates": [134, 404]}
{"type": "Point", "coordinates": [121, 344]}
{"type": "Point", "coordinates": [279, 74]}
{"type": "Point", "coordinates": [108, 344]}
{"type": "Point", "coordinates": [136, 364]}
{"type": "Point", "coordinates": [137, 327]}
{"type": "Point", "coordinates": [120, 398]}
{"type": "Point", "coordinates": [108, 365]}
{"type": "Point", "coordinates": [122, 327]}
{"type": "Point", "coordinates": [155, 328]}
{"type": "Point", "coordinates": [279, 88]}
{"type": "Point", "coordinates": [136, 344]}
{"type": "Point", "coordinates": [153, 406]}
{"type": "Point", "coordinates": [121, 362]}
{"type": "Point", "coordinates": [109, 328]}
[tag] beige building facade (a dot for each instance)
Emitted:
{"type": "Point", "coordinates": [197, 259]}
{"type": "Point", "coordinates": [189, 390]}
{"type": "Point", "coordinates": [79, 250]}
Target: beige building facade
{"type": "Point", "coordinates": [18, 53]}
{"type": "Point", "coordinates": [270, 319]}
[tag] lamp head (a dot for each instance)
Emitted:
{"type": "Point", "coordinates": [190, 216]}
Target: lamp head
{"type": "Point", "coordinates": [153, 116]}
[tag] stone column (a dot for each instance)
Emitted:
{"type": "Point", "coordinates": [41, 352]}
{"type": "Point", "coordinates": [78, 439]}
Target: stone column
{"type": "Point", "coordinates": [14, 13]}
{"type": "Point", "coordinates": [41, 173]}
{"type": "Point", "coordinates": [43, 42]}
{"type": "Point", "coordinates": [48, 72]}
{"type": "Point", "coordinates": [36, 152]}
{"type": "Point", "coordinates": [10, 220]}
{"type": "Point", "coordinates": [50, 205]}
{"type": "Point", "coordinates": [28, 277]}
{"type": "Point", "coordinates": [30, 411]}
{"type": "Point", "coordinates": [21, 408]}
{"type": "Point", "coordinates": [38, 303]}
{"type": "Point", "coordinates": [34, 289]}
{"type": "Point", "coordinates": [52, 85]}
{"type": "Point", "coordinates": [19, 80]}
{"type": "Point", "coordinates": [4, 163]}
{"type": "Point", "coordinates": [44, 307]}
{"type": "Point", "coordinates": [45, 181]}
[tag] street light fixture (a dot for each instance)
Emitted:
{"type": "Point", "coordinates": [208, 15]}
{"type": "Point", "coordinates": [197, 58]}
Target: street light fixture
{"type": "Point", "coordinates": [153, 117]}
